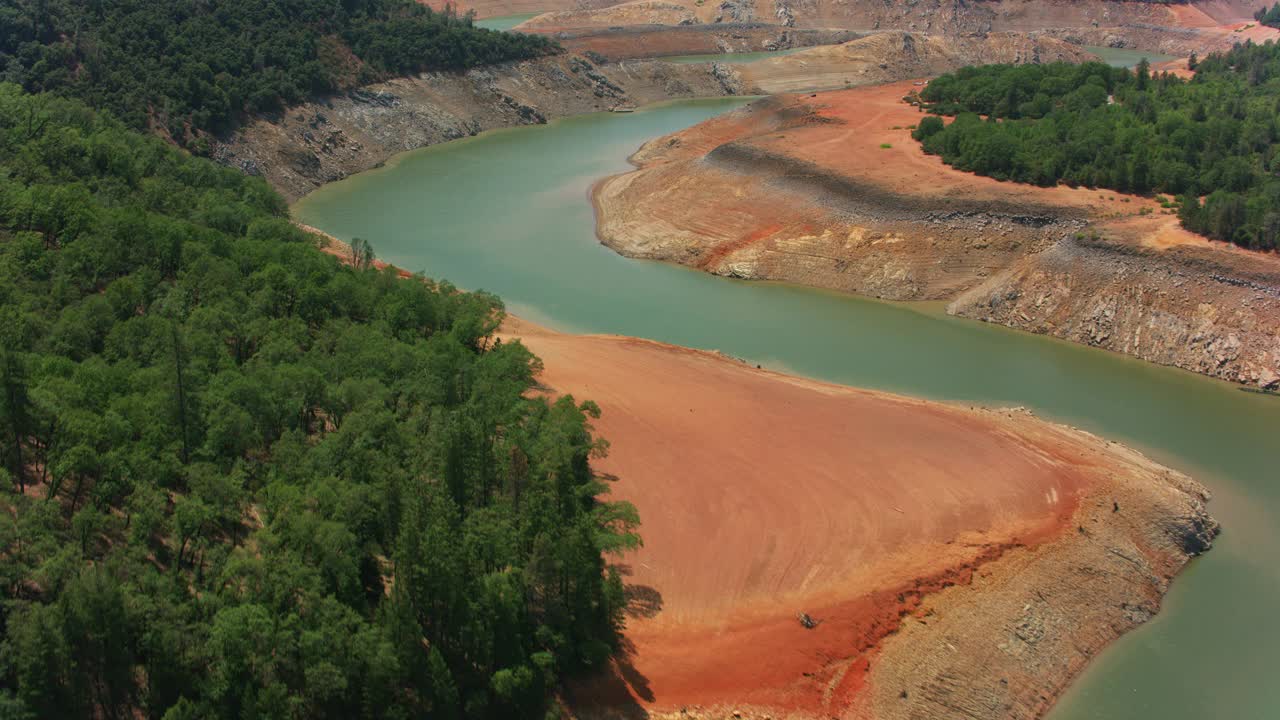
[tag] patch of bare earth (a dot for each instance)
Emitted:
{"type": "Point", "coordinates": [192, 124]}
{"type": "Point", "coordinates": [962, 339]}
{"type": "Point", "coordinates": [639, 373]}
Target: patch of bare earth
{"type": "Point", "coordinates": [915, 536]}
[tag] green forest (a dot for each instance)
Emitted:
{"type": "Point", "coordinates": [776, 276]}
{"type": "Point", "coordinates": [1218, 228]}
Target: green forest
{"type": "Point", "coordinates": [187, 67]}
{"type": "Point", "coordinates": [1210, 141]}
{"type": "Point", "coordinates": [241, 479]}
{"type": "Point", "coordinates": [1268, 16]}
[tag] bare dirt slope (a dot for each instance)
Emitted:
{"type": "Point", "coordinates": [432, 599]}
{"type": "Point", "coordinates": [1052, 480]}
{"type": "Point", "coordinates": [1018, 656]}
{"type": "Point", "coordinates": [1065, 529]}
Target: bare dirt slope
{"type": "Point", "coordinates": [330, 138]}
{"type": "Point", "coordinates": [763, 496]}
{"type": "Point", "coordinates": [804, 189]}
{"type": "Point", "coordinates": [657, 41]}
{"type": "Point", "coordinates": [640, 12]}
{"type": "Point", "coordinates": [1173, 28]}
{"type": "Point", "coordinates": [888, 56]}
{"type": "Point", "coordinates": [1148, 290]}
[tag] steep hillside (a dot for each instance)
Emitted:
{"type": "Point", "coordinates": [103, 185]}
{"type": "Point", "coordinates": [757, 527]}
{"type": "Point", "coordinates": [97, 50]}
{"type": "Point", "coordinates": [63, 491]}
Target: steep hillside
{"type": "Point", "coordinates": [331, 138]}
{"type": "Point", "coordinates": [191, 69]}
{"type": "Point", "coordinates": [657, 41]}
{"type": "Point", "coordinates": [888, 56]}
{"type": "Point", "coordinates": [1174, 28]}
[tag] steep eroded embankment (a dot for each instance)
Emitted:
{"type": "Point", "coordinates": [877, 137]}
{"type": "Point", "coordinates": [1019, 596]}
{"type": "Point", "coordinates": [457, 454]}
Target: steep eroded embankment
{"type": "Point", "coordinates": [330, 138]}
{"type": "Point", "coordinates": [658, 41]}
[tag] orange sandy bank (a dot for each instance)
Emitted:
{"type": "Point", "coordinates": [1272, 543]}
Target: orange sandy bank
{"type": "Point", "coordinates": [763, 496]}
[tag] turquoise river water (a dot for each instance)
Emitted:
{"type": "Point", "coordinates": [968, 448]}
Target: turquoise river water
{"type": "Point", "coordinates": [505, 22]}
{"type": "Point", "coordinates": [508, 212]}
{"type": "Point", "coordinates": [1124, 57]}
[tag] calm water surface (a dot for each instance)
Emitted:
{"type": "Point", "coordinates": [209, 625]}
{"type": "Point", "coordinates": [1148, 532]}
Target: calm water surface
{"type": "Point", "coordinates": [508, 212]}
{"type": "Point", "coordinates": [505, 22]}
{"type": "Point", "coordinates": [1126, 58]}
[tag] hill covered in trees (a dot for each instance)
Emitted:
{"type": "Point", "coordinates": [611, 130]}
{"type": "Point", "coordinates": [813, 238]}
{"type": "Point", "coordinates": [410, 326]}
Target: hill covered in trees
{"type": "Point", "coordinates": [188, 66]}
{"type": "Point", "coordinates": [1211, 140]}
{"type": "Point", "coordinates": [239, 479]}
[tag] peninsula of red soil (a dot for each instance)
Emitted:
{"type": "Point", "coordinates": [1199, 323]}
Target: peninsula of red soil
{"type": "Point", "coordinates": [763, 496]}
{"type": "Point", "coordinates": [830, 190]}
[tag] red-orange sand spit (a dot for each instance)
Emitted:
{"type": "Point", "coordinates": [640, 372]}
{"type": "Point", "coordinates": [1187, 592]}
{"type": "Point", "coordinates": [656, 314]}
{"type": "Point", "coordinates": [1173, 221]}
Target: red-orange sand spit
{"type": "Point", "coordinates": [763, 496]}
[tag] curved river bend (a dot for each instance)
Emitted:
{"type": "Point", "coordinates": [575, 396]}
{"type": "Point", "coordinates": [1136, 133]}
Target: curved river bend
{"type": "Point", "coordinates": [508, 212]}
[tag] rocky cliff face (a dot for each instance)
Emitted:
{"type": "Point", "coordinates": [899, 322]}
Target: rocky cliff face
{"type": "Point", "coordinates": [656, 41]}
{"type": "Point", "coordinates": [328, 139]}
{"type": "Point", "coordinates": [1007, 644]}
{"type": "Point", "coordinates": [969, 17]}
{"type": "Point", "coordinates": [893, 55]}
{"type": "Point", "coordinates": [1214, 312]}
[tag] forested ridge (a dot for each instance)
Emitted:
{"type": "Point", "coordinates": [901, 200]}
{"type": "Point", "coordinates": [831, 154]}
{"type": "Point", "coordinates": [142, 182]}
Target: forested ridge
{"type": "Point", "coordinates": [1210, 141]}
{"type": "Point", "coordinates": [189, 66]}
{"type": "Point", "coordinates": [240, 479]}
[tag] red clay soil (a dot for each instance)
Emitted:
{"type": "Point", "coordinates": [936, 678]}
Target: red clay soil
{"type": "Point", "coordinates": [1231, 21]}
{"type": "Point", "coordinates": [763, 496]}
{"type": "Point", "coordinates": [845, 132]}
{"type": "Point", "coordinates": [1177, 66]}
{"type": "Point", "coordinates": [861, 120]}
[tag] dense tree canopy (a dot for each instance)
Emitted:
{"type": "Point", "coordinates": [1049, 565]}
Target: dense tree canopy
{"type": "Point", "coordinates": [1211, 141]}
{"type": "Point", "coordinates": [239, 479]}
{"type": "Point", "coordinates": [198, 65]}
{"type": "Point", "coordinates": [1268, 16]}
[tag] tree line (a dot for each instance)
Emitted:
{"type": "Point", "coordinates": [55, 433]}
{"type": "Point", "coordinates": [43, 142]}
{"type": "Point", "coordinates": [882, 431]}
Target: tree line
{"type": "Point", "coordinates": [1268, 16]}
{"type": "Point", "coordinates": [191, 67]}
{"type": "Point", "coordinates": [1210, 141]}
{"type": "Point", "coordinates": [241, 479]}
